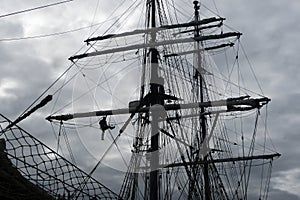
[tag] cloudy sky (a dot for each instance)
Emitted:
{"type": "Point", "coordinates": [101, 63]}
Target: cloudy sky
{"type": "Point", "coordinates": [270, 37]}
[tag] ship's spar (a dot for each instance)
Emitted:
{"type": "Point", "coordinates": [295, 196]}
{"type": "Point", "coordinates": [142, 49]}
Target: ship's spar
{"type": "Point", "coordinates": [230, 105]}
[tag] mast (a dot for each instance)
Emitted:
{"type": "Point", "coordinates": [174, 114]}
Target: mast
{"type": "Point", "coordinates": [202, 110]}
{"type": "Point", "coordinates": [154, 100]}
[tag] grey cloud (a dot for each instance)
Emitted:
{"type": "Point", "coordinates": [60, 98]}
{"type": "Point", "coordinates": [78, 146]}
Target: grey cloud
{"type": "Point", "coordinates": [10, 29]}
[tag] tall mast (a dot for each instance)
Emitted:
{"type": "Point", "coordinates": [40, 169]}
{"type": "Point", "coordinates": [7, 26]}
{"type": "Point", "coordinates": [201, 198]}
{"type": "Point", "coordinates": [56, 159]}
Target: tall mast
{"type": "Point", "coordinates": [154, 100]}
{"type": "Point", "coordinates": [202, 116]}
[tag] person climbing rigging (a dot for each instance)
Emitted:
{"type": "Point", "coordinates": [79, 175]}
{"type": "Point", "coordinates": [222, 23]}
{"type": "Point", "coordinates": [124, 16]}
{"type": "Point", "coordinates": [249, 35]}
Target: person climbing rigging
{"type": "Point", "coordinates": [104, 126]}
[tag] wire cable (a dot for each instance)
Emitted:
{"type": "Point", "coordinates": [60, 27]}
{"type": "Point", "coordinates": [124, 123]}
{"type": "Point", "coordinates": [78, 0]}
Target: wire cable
{"type": "Point", "coordinates": [36, 8]}
{"type": "Point", "coordinates": [48, 35]}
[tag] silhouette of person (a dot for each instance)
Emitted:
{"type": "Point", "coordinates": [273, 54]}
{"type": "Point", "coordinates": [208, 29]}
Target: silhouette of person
{"type": "Point", "coordinates": [104, 126]}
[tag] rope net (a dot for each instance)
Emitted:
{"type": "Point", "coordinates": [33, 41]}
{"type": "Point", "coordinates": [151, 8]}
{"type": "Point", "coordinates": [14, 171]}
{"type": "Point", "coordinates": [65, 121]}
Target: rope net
{"type": "Point", "coordinates": [30, 169]}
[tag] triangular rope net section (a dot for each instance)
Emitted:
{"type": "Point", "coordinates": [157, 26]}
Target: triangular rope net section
{"type": "Point", "coordinates": [41, 172]}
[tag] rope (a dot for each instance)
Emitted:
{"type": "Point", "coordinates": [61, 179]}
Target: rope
{"type": "Point", "coordinates": [83, 184]}
{"type": "Point", "coordinates": [68, 144]}
{"type": "Point", "coordinates": [45, 168]}
{"type": "Point", "coordinates": [252, 70]}
{"type": "Point", "coordinates": [50, 34]}
{"type": "Point", "coordinates": [36, 8]}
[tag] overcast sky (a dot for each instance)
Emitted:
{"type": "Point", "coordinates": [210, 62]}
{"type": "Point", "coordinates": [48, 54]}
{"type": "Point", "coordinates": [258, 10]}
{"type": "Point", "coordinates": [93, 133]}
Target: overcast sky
{"type": "Point", "coordinates": [270, 37]}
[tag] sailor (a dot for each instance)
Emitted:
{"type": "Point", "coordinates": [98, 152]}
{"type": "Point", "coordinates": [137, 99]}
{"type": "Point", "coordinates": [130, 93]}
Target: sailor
{"type": "Point", "coordinates": [104, 126]}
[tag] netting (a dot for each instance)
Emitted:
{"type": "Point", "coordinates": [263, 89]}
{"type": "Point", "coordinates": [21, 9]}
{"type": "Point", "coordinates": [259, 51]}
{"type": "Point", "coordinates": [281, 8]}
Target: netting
{"type": "Point", "coordinates": [44, 169]}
